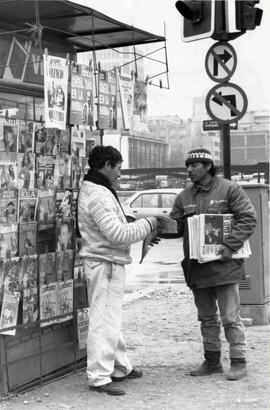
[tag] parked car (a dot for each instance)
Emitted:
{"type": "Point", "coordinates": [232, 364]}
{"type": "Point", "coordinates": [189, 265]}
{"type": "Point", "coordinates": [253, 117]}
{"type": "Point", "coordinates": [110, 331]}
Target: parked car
{"type": "Point", "coordinates": [152, 202]}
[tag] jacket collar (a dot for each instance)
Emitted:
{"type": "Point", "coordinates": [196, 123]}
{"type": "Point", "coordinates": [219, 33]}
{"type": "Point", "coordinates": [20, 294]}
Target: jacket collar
{"type": "Point", "coordinates": [204, 188]}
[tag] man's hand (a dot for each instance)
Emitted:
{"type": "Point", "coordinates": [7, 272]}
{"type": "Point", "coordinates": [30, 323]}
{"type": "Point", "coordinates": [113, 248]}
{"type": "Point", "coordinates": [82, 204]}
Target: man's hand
{"type": "Point", "coordinates": [226, 254]}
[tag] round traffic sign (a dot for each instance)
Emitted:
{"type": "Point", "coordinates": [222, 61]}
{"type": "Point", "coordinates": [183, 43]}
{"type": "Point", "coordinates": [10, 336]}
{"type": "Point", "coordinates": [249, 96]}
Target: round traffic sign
{"type": "Point", "coordinates": [220, 62]}
{"type": "Point", "coordinates": [226, 103]}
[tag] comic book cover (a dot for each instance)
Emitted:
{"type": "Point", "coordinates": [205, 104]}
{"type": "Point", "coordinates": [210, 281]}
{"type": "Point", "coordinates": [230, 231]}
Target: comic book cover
{"type": "Point", "coordinates": [27, 205]}
{"type": "Point", "coordinates": [26, 137]}
{"type": "Point", "coordinates": [80, 287]}
{"type": "Point", "coordinates": [63, 204]}
{"type": "Point", "coordinates": [45, 209]}
{"type": "Point", "coordinates": [10, 135]}
{"type": "Point", "coordinates": [30, 289]}
{"type": "Point", "coordinates": [48, 303]}
{"type": "Point", "coordinates": [9, 312]}
{"type": "Point", "coordinates": [64, 142]}
{"type": "Point", "coordinates": [26, 170]}
{"type": "Point", "coordinates": [40, 134]}
{"type": "Point", "coordinates": [27, 238]}
{"type": "Point", "coordinates": [65, 300]}
{"type": "Point", "coordinates": [78, 171]}
{"type": "Point", "coordinates": [62, 172]}
{"type": "Point", "coordinates": [64, 235]}
{"type": "Point", "coordinates": [8, 241]}
{"type": "Point", "coordinates": [82, 327]}
{"type": "Point", "coordinates": [8, 170]}
{"type": "Point", "coordinates": [47, 268]}
{"type": "Point", "coordinates": [8, 206]}
{"type": "Point", "coordinates": [44, 172]}
{"type": "Point", "coordinates": [78, 139]}
{"type": "Point", "coordinates": [64, 265]}
{"type": "Point", "coordinates": [12, 278]}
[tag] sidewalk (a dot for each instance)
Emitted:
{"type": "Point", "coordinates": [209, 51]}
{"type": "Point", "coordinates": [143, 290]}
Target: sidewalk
{"type": "Point", "coordinates": [163, 338]}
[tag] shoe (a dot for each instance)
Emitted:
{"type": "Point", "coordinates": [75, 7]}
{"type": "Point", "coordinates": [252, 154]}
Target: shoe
{"type": "Point", "coordinates": [236, 371]}
{"type": "Point", "coordinates": [207, 368]}
{"type": "Point", "coordinates": [134, 374]}
{"type": "Point", "coordinates": [108, 389]}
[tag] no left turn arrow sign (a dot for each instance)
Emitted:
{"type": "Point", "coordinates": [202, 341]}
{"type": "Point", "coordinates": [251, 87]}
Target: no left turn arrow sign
{"type": "Point", "coordinates": [226, 103]}
{"type": "Point", "coordinates": [220, 62]}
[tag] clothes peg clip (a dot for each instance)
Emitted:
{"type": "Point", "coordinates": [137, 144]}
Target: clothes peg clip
{"type": "Point", "coordinates": [160, 83]}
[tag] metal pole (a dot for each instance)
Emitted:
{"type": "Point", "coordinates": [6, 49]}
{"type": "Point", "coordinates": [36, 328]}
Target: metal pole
{"type": "Point", "coordinates": [226, 151]}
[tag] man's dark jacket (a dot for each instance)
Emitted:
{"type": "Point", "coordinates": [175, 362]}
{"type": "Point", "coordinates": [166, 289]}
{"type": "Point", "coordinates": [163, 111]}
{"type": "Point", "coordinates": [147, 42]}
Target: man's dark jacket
{"type": "Point", "coordinates": [220, 196]}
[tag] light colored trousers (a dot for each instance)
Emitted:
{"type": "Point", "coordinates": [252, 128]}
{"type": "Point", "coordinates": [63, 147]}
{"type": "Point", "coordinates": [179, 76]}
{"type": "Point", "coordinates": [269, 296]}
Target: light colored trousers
{"type": "Point", "coordinates": [226, 297]}
{"type": "Point", "coordinates": [106, 350]}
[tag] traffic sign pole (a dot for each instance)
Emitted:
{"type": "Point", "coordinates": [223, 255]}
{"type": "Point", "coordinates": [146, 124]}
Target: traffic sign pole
{"type": "Point", "coordinates": [226, 138]}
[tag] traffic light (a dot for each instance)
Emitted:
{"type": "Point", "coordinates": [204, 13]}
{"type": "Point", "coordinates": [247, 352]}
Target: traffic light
{"type": "Point", "coordinates": [248, 17]}
{"type": "Point", "coordinates": [198, 19]}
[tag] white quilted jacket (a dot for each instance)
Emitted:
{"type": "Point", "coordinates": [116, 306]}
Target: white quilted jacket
{"type": "Point", "coordinates": [104, 230]}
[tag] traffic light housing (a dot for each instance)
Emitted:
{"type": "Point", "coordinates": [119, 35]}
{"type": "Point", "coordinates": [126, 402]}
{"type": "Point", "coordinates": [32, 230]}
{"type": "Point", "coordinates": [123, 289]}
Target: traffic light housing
{"type": "Point", "coordinates": [248, 17]}
{"type": "Point", "coordinates": [198, 19]}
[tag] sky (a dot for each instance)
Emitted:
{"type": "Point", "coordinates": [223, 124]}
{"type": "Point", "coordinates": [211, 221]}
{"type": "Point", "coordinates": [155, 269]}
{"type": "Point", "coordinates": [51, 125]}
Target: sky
{"type": "Point", "coordinates": [187, 74]}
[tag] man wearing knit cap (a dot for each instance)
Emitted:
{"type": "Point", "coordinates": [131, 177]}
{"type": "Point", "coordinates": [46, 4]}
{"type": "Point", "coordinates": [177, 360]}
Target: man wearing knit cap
{"type": "Point", "coordinates": [215, 284]}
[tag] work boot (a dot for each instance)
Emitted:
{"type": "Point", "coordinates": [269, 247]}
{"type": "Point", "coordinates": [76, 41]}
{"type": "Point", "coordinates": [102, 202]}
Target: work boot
{"type": "Point", "coordinates": [108, 389]}
{"type": "Point", "coordinates": [209, 366]}
{"type": "Point", "coordinates": [238, 369]}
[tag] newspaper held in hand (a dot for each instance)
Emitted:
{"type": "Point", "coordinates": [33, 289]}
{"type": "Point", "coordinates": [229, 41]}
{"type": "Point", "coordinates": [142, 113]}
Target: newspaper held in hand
{"type": "Point", "coordinates": [166, 226]}
{"type": "Point", "coordinates": [207, 235]}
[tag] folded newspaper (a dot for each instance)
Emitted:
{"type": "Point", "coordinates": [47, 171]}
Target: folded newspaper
{"type": "Point", "coordinates": [166, 226]}
{"type": "Point", "coordinates": [207, 234]}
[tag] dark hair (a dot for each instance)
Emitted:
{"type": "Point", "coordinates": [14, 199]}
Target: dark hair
{"type": "Point", "coordinates": [213, 170]}
{"type": "Point", "coordinates": [99, 155]}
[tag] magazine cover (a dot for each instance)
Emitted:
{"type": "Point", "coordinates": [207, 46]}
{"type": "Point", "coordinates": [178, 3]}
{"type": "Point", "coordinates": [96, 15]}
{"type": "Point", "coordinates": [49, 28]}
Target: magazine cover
{"type": "Point", "coordinates": [26, 170]}
{"type": "Point", "coordinates": [63, 204]}
{"type": "Point", "coordinates": [55, 91]}
{"type": "Point", "coordinates": [78, 171]}
{"type": "Point", "coordinates": [27, 205]}
{"type": "Point", "coordinates": [82, 327]}
{"type": "Point", "coordinates": [65, 300]}
{"type": "Point", "coordinates": [40, 135]}
{"type": "Point", "coordinates": [78, 140]}
{"type": "Point", "coordinates": [64, 265]}
{"type": "Point", "coordinates": [62, 172]}
{"type": "Point", "coordinates": [8, 241]}
{"type": "Point", "coordinates": [47, 268]}
{"type": "Point", "coordinates": [80, 287]}
{"type": "Point", "coordinates": [90, 142]}
{"type": "Point", "coordinates": [27, 239]}
{"type": "Point", "coordinates": [10, 134]}
{"type": "Point", "coordinates": [30, 289]}
{"type": "Point", "coordinates": [74, 204]}
{"type": "Point", "coordinates": [9, 312]}
{"type": "Point", "coordinates": [48, 303]}
{"type": "Point", "coordinates": [26, 137]}
{"type": "Point", "coordinates": [44, 172]}
{"type": "Point", "coordinates": [8, 170]}
{"type": "Point", "coordinates": [107, 105]}
{"type": "Point", "coordinates": [8, 206]}
{"type": "Point", "coordinates": [81, 101]}
{"type": "Point", "coordinates": [45, 209]}
{"type": "Point", "coordinates": [64, 235]}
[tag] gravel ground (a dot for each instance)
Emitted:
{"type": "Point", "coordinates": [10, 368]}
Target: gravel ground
{"type": "Point", "coordinates": [163, 338]}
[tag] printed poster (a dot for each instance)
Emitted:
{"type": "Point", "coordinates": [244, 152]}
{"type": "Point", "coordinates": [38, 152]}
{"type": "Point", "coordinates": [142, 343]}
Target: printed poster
{"type": "Point", "coordinates": [8, 206]}
{"type": "Point", "coordinates": [81, 101]}
{"type": "Point", "coordinates": [140, 123]}
{"type": "Point", "coordinates": [107, 104]}
{"type": "Point", "coordinates": [55, 90]}
{"type": "Point", "coordinates": [126, 90]}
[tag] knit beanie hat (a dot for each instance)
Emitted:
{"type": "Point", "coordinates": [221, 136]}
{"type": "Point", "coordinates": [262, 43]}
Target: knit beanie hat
{"type": "Point", "coordinates": [199, 155]}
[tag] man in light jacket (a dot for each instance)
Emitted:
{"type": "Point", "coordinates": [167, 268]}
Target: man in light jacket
{"type": "Point", "coordinates": [105, 248]}
{"type": "Point", "coordinates": [215, 284]}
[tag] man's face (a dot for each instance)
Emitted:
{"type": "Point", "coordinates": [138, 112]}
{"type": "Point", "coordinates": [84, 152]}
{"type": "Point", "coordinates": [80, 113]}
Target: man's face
{"type": "Point", "coordinates": [197, 171]}
{"type": "Point", "coordinates": [113, 173]}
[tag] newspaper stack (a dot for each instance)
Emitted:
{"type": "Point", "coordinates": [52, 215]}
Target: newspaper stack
{"type": "Point", "coordinates": [207, 234]}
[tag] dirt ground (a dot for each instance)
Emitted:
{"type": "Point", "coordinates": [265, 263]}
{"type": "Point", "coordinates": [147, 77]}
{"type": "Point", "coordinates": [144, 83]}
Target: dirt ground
{"type": "Point", "coordinates": [163, 338]}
